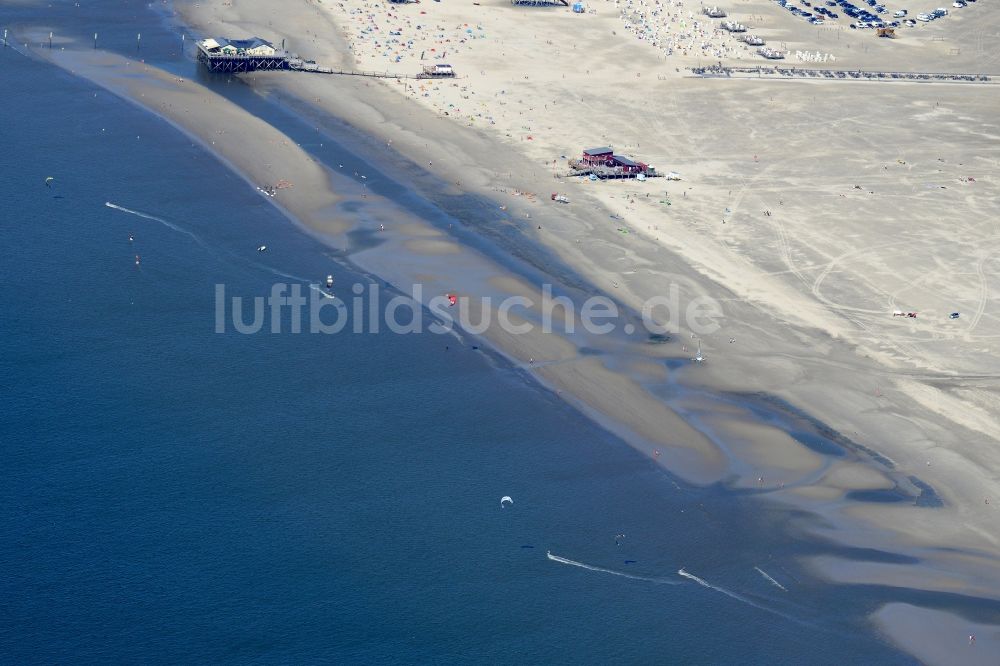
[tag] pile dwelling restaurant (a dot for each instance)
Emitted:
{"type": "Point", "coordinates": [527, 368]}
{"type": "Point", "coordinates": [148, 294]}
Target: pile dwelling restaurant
{"type": "Point", "coordinates": [540, 3]}
{"type": "Point", "coordinates": [241, 55]}
{"type": "Point", "coordinates": [603, 163]}
{"type": "Point", "coordinates": [439, 70]}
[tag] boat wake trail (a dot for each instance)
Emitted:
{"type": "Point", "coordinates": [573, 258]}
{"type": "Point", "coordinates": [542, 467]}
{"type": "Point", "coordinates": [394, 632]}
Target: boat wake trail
{"type": "Point", "coordinates": [591, 567]}
{"type": "Point", "coordinates": [283, 274]}
{"type": "Point", "coordinates": [733, 595]}
{"type": "Point", "coordinates": [147, 216]}
{"type": "Point", "coordinates": [292, 278]}
{"type": "Point", "coordinates": [770, 580]}
{"type": "Point", "coordinates": [683, 574]}
{"type": "Point", "coordinates": [322, 292]}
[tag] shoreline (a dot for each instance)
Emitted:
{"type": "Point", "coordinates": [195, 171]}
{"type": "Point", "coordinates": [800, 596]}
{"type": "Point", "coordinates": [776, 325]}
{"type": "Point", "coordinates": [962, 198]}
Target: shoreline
{"type": "Point", "coordinates": [725, 381]}
{"type": "Point", "coordinates": [312, 208]}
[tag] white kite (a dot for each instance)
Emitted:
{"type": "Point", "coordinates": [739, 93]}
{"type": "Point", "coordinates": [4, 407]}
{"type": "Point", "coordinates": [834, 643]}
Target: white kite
{"type": "Point", "coordinates": [505, 498]}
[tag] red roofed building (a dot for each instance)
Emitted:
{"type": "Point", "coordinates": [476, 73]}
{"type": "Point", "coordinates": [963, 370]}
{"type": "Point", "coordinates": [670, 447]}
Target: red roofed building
{"type": "Point", "coordinates": [605, 157]}
{"type": "Point", "coordinates": [596, 156]}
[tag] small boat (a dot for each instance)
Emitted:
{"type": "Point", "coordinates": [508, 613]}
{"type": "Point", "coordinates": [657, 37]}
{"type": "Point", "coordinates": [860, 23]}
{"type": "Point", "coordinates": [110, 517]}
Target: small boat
{"type": "Point", "coordinates": [560, 198]}
{"type": "Point", "coordinates": [262, 248]}
{"type": "Point", "coordinates": [329, 282]}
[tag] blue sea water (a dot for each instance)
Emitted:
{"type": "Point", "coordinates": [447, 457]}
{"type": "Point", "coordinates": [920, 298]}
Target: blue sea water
{"type": "Point", "coordinates": [172, 494]}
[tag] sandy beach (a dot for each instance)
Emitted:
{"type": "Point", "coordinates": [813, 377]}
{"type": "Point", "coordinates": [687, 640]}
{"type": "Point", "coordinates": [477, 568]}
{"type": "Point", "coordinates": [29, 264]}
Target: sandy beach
{"type": "Point", "coordinates": [809, 211]}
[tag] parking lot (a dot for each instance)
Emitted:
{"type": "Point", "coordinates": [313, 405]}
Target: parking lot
{"type": "Point", "coordinates": [869, 14]}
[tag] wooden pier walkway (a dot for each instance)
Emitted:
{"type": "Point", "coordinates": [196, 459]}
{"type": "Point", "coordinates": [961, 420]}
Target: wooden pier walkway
{"type": "Point", "coordinates": [715, 72]}
{"type": "Point", "coordinates": [604, 173]}
{"type": "Point", "coordinates": [297, 65]}
{"type": "Point", "coordinates": [258, 55]}
{"type": "Point", "coordinates": [241, 64]}
{"type": "Point", "coordinates": [312, 68]}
